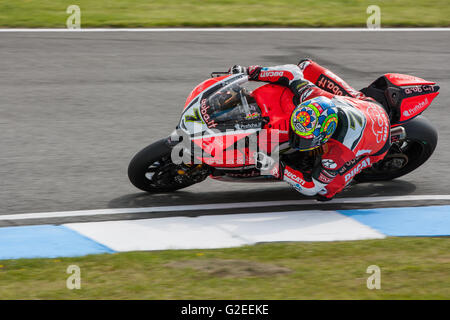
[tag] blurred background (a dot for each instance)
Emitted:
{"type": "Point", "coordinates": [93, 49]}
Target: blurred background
{"type": "Point", "coordinates": [223, 13]}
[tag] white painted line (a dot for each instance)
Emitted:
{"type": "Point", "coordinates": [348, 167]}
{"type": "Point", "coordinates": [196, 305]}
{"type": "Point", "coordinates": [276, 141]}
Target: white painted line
{"type": "Point", "coordinates": [214, 206]}
{"type": "Point", "coordinates": [224, 231]}
{"type": "Point", "coordinates": [223, 30]}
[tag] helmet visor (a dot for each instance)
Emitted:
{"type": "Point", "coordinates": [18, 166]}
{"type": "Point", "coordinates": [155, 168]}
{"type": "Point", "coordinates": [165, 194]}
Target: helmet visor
{"type": "Point", "coordinates": [304, 144]}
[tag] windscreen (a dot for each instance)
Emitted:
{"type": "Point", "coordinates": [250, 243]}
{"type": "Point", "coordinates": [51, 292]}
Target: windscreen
{"type": "Point", "coordinates": [232, 103]}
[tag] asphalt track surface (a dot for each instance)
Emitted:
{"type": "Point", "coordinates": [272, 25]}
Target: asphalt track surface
{"type": "Point", "coordinates": [75, 108]}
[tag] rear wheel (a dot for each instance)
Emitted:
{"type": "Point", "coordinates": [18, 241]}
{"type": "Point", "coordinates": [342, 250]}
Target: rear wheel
{"type": "Point", "coordinates": [404, 156]}
{"type": "Point", "coordinates": [152, 170]}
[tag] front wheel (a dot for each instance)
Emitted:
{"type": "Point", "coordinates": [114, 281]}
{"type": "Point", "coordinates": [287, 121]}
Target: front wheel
{"type": "Point", "coordinates": [404, 156]}
{"type": "Point", "coordinates": [152, 170]}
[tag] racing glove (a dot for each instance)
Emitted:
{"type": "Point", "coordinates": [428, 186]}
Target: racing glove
{"type": "Point", "coordinates": [237, 69]}
{"type": "Point", "coordinates": [252, 71]}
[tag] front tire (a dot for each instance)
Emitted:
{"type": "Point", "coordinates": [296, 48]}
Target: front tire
{"type": "Point", "coordinates": [152, 170]}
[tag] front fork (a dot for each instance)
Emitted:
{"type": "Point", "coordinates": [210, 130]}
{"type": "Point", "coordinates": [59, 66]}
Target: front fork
{"type": "Point", "coordinates": [186, 169]}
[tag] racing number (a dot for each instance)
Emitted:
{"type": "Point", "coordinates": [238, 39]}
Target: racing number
{"type": "Point", "coordinates": [356, 125]}
{"type": "Point", "coordinates": [193, 118]}
{"type": "Point", "coordinates": [353, 117]}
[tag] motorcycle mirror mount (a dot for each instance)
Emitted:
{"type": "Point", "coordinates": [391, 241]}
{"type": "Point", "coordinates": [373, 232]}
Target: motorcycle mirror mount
{"type": "Point", "coordinates": [217, 74]}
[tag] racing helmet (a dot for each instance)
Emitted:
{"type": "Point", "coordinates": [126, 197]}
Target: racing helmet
{"type": "Point", "coordinates": [312, 123]}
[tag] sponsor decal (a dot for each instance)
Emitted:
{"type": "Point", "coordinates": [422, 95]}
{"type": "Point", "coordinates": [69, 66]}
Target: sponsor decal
{"type": "Point", "coordinates": [417, 90]}
{"type": "Point", "coordinates": [348, 165]}
{"type": "Point", "coordinates": [329, 164]}
{"type": "Point", "coordinates": [324, 179]}
{"type": "Point", "coordinates": [416, 108]}
{"type": "Point", "coordinates": [245, 126]}
{"type": "Point", "coordinates": [412, 90]}
{"type": "Point", "coordinates": [267, 74]}
{"type": "Point", "coordinates": [251, 116]}
{"type": "Point", "coordinates": [293, 177]}
{"type": "Point", "coordinates": [330, 85]}
{"type": "Point", "coordinates": [428, 88]}
{"type": "Point", "coordinates": [357, 169]}
{"type": "Point", "coordinates": [211, 123]}
{"type": "Point", "coordinates": [343, 85]}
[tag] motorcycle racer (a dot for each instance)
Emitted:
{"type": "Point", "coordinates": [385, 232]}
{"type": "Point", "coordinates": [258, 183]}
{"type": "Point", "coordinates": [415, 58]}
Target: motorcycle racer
{"type": "Point", "coordinates": [348, 129]}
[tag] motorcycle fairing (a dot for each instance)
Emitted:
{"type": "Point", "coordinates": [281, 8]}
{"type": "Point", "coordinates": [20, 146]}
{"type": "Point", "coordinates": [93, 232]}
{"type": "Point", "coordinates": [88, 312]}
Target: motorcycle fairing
{"type": "Point", "coordinates": [275, 102]}
{"type": "Point", "coordinates": [409, 95]}
{"type": "Point", "coordinates": [398, 79]}
{"type": "Point", "coordinates": [404, 96]}
{"type": "Point", "coordinates": [413, 106]}
{"type": "Point", "coordinates": [202, 87]}
{"type": "Point", "coordinates": [215, 137]}
{"type": "Point", "coordinates": [195, 119]}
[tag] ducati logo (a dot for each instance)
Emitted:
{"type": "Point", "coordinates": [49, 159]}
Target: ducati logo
{"type": "Point", "coordinates": [362, 165]}
{"type": "Point", "coordinates": [265, 74]}
{"type": "Point", "coordinates": [293, 177]}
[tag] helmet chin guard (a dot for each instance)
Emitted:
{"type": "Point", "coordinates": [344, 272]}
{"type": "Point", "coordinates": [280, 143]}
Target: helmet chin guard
{"type": "Point", "coordinates": [312, 123]}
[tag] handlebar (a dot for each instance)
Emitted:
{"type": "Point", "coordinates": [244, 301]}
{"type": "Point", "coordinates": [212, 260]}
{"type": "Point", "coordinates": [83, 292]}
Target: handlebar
{"type": "Point", "coordinates": [218, 74]}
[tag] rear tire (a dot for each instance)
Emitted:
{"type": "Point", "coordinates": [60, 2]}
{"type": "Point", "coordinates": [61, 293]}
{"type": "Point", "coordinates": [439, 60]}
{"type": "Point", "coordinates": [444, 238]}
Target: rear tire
{"type": "Point", "coordinates": [421, 140]}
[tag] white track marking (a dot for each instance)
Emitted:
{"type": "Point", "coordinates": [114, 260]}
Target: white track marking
{"type": "Point", "coordinates": [214, 206]}
{"type": "Point", "coordinates": [222, 231]}
{"type": "Point", "coordinates": [224, 30]}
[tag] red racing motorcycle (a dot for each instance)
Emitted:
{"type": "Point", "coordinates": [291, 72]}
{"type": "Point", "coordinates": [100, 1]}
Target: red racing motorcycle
{"type": "Point", "coordinates": [224, 126]}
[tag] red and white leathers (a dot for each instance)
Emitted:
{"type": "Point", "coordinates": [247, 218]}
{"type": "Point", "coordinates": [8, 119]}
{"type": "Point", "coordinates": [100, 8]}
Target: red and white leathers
{"type": "Point", "coordinates": [361, 139]}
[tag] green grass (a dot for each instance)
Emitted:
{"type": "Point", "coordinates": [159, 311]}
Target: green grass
{"type": "Point", "coordinates": [219, 13]}
{"type": "Point", "coordinates": [411, 268]}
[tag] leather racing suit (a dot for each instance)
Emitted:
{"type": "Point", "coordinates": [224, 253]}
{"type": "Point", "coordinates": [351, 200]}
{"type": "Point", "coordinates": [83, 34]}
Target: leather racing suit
{"type": "Point", "coordinates": [362, 136]}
